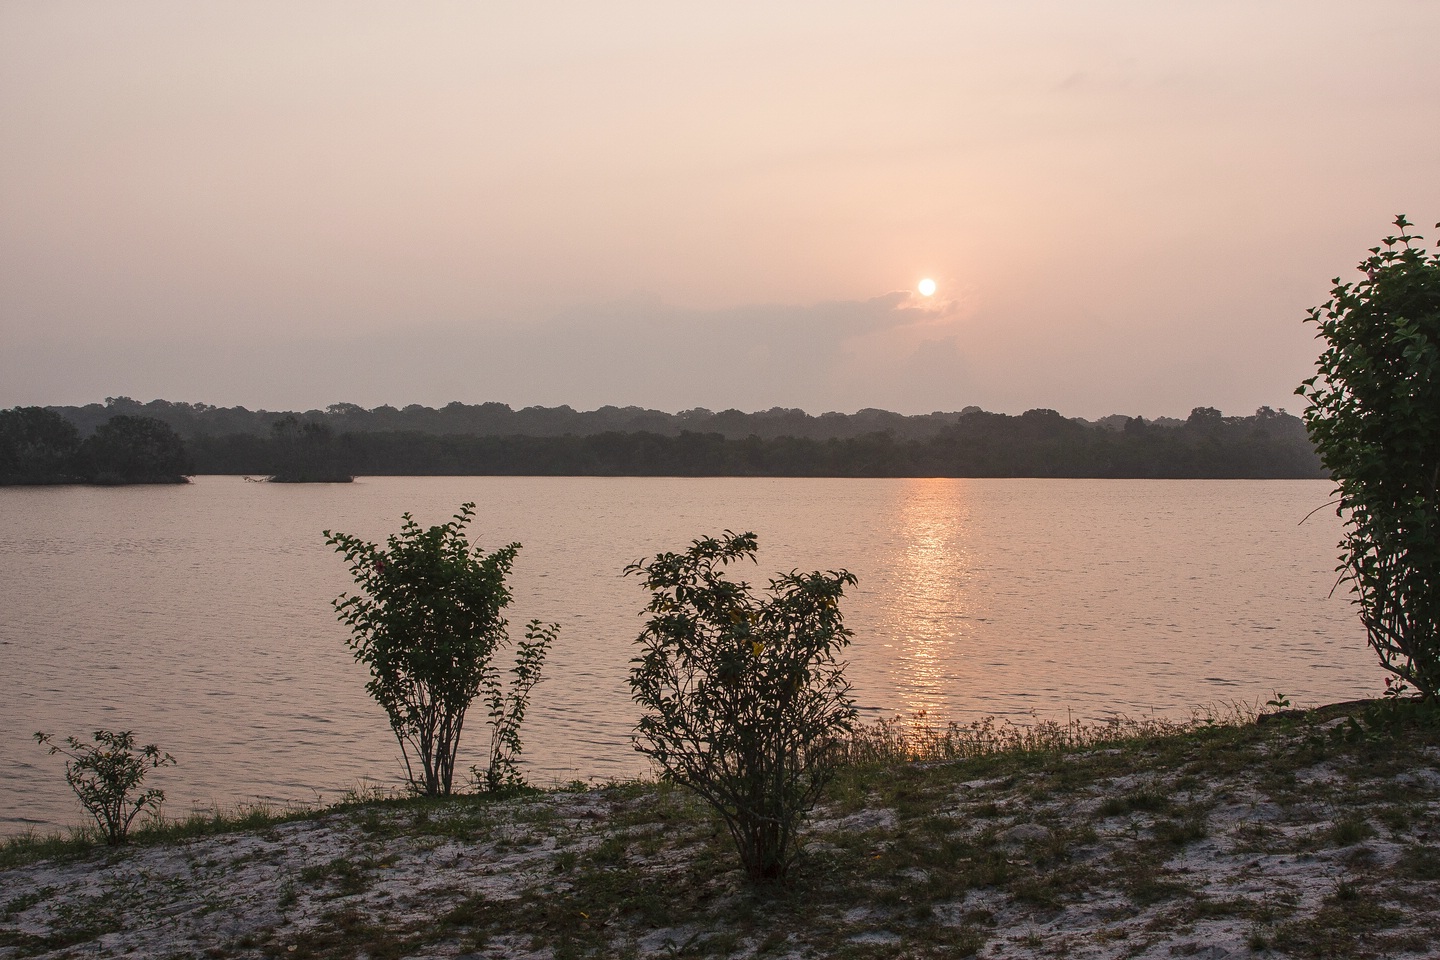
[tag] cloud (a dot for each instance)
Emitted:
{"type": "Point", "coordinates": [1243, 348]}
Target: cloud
{"type": "Point", "coordinates": [760, 355]}
{"type": "Point", "coordinates": [640, 351]}
{"type": "Point", "coordinates": [895, 351]}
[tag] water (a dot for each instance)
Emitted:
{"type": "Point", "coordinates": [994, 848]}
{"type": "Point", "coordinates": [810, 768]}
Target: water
{"type": "Point", "coordinates": [199, 616]}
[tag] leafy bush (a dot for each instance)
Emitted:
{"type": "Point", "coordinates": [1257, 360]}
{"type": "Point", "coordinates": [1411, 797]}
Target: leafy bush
{"type": "Point", "coordinates": [428, 626]}
{"type": "Point", "coordinates": [1374, 416]}
{"type": "Point", "coordinates": [744, 699]}
{"type": "Point", "coordinates": [103, 775]}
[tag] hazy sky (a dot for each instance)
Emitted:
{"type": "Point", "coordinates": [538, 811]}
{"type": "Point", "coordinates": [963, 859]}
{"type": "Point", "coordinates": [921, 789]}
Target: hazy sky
{"type": "Point", "coordinates": [1127, 206]}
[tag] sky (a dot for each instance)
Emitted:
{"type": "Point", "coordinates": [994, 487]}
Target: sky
{"type": "Point", "coordinates": [1126, 207]}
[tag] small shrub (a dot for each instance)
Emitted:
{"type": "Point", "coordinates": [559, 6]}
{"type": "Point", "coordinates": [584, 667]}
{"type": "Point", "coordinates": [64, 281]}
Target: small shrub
{"type": "Point", "coordinates": [507, 707]}
{"type": "Point", "coordinates": [104, 775]}
{"type": "Point", "coordinates": [428, 626]}
{"type": "Point", "coordinates": [744, 699]}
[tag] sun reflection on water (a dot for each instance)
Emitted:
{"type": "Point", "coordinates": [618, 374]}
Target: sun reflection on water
{"type": "Point", "coordinates": [932, 604]}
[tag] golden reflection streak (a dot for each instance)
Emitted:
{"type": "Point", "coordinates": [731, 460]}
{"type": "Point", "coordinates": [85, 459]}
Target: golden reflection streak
{"type": "Point", "coordinates": [932, 608]}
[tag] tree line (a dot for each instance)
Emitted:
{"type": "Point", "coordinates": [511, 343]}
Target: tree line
{"type": "Point", "coordinates": [302, 447]}
{"type": "Point", "coordinates": [500, 420]}
{"type": "Point", "coordinates": [1040, 443]}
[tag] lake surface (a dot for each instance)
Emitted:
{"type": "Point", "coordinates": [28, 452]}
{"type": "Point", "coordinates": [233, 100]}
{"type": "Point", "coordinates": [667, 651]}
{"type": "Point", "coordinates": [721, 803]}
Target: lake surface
{"type": "Point", "coordinates": [199, 616]}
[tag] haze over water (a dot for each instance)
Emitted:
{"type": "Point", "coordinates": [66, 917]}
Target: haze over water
{"type": "Point", "coordinates": [1126, 207]}
{"type": "Point", "coordinates": [200, 617]}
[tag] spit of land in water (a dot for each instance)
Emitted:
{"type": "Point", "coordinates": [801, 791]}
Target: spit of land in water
{"type": "Point", "coordinates": [1312, 834]}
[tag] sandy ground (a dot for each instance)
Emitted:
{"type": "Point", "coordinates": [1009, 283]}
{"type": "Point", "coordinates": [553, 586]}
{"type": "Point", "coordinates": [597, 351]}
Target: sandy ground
{"type": "Point", "coordinates": [1331, 858]}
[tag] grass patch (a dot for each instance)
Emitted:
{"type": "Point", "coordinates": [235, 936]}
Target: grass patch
{"type": "Point", "coordinates": [1421, 863]}
{"type": "Point", "coordinates": [917, 740]}
{"type": "Point", "coordinates": [346, 876]}
{"type": "Point", "coordinates": [1350, 830]}
{"type": "Point", "coordinates": [340, 934]}
{"type": "Point", "coordinates": [1142, 801]}
{"type": "Point", "coordinates": [1181, 832]}
{"type": "Point", "coordinates": [1343, 926]}
{"type": "Point", "coordinates": [461, 817]}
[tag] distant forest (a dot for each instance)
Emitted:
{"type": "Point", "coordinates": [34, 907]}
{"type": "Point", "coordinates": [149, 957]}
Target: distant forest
{"type": "Point", "coordinates": [492, 438]}
{"type": "Point", "coordinates": [39, 446]}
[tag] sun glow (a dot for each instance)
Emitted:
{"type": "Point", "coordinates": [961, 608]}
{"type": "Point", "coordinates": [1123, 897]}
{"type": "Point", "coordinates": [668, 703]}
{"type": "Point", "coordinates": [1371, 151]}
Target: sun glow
{"type": "Point", "coordinates": [926, 287]}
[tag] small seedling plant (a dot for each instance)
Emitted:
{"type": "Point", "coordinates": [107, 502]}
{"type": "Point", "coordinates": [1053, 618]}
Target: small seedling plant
{"type": "Point", "coordinates": [507, 708]}
{"type": "Point", "coordinates": [743, 697]}
{"type": "Point", "coordinates": [106, 773]}
{"type": "Point", "coordinates": [428, 622]}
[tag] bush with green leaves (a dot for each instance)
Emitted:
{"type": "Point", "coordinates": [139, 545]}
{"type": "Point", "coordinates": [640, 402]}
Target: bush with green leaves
{"type": "Point", "coordinates": [1374, 417]}
{"type": "Point", "coordinates": [428, 623]}
{"type": "Point", "coordinates": [105, 775]}
{"type": "Point", "coordinates": [744, 701]}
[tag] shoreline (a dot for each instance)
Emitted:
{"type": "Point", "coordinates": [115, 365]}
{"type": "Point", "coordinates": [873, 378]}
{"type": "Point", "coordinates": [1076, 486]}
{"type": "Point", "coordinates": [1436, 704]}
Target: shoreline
{"type": "Point", "coordinates": [1302, 836]}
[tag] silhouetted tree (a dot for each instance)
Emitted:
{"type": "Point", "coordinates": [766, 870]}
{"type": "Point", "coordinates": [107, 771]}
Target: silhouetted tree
{"type": "Point", "coordinates": [36, 446]}
{"type": "Point", "coordinates": [305, 453]}
{"type": "Point", "coordinates": [129, 449]}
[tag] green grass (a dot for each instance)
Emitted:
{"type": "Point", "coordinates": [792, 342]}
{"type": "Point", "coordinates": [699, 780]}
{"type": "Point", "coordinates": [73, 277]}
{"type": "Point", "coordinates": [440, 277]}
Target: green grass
{"type": "Point", "coordinates": [461, 817]}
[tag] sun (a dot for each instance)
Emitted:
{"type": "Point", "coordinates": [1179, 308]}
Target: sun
{"type": "Point", "coordinates": [926, 287]}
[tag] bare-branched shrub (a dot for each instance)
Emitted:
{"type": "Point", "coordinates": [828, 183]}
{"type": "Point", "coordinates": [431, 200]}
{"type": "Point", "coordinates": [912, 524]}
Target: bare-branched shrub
{"type": "Point", "coordinates": [744, 700]}
{"type": "Point", "coordinates": [105, 775]}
